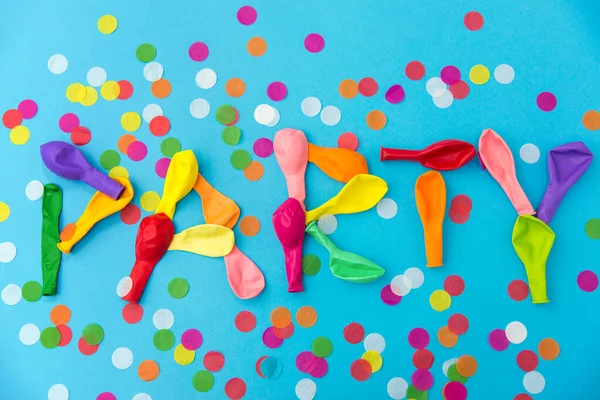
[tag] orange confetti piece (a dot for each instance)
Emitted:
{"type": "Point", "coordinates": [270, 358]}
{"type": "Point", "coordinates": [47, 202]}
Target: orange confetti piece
{"type": "Point", "coordinates": [306, 316]}
{"type": "Point", "coordinates": [281, 317]}
{"type": "Point", "coordinates": [466, 366]}
{"type": "Point", "coordinates": [348, 88]}
{"type": "Point", "coordinates": [548, 349]}
{"type": "Point", "coordinates": [376, 120]}
{"type": "Point", "coordinates": [124, 142]}
{"type": "Point", "coordinates": [161, 88]}
{"type": "Point", "coordinates": [591, 120]}
{"type": "Point", "coordinates": [60, 315]}
{"type": "Point", "coordinates": [250, 226]}
{"type": "Point", "coordinates": [446, 337]}
{"type": "Point", "coordinates": [235, 87]}
{"type": "Point", "coordinates": [254, 171]}
{"type": "Point", "coordinates": [148, 370]}
{"type": "Point", "coordinates": [256, 46]}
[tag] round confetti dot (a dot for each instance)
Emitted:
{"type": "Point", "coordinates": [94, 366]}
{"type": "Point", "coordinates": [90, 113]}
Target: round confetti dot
{"type": "Point", "coordinates": [66, 335]}
{"type": "Point", "coordinates": [518, 289]}
{"type": "Point", "coordinates": [250, 226]}
{"type": "Point", "coordinates": [277, 91]}
{"type": "Point", "coordinates": [106, 396]}
{"type": "Point", "coordinates": [548, 349]}
{"type": "Point", "coordinates": [423, 359]}
{"type": "Point", "coordinates": [479, 74]}
{"type": "Point", "coordinates": [240, 159]}
{"type": "Point", "coordinates": [459, 90]}
{"type": "Point", "coordinates": [314, 42]}
{"type": "Point", "coordinates": [306, 389]}
{"type": "Point", "coordinates": [57, 64]}
{"type": "Point", "coordinates": [516, 332]}
{"type": "Point", "coordinates": [226, 114]}
{"type": "Point", "coordinates": [170, 146]}
{"type": "Point", "coordinates": [203, 381]}
{"type": "Point", "coordinates": [306, 316]}
{"type": "Point", "coordinates": [131, 121]}
{"type": "Point", "coordinates": [587, 281]}
{"type": "Point", "coordinates": [131, 214]}
{"type": "Point", "coordinates": [444, 101]}
{"type": "Point", "coordinates": [264, 114]}
{"type": "Point", "coordinates": [396, 388]}
{"type": "Point", "coordinates": [5, 211]}
{"type": "Point", "coordinates": [348, 140]}
{"type": "Point", "coordinates": [256, 46]}
{"type": "Point", "coordinates": [446, 337]}
{"type": "Point", "coordinates": [422, 380]}
{"type": "Point", "coordinates": [93, 334]}
{"type": "Point", "coordinates": [389, 297]}
{"type": "Point", "coordinates": [415, 276]}
{"type": "Point", "coordinates": [198, 51]}
{"type": "Point", "coordinates": [178, 287]}
{"type": "Point", "coordinates": [124, 142]}
{"type": "Point", "coordinates": [270, 340]}
{"type": "Point", "coordinates": [183, 356]}
{"type": "Point", "coordinates": [376, 120]}
{"type": "Point", "coordinates": [31, 291]}
{"type": "Point", "coordinates": [19, 135]}
{"type": "Point", "coordinates": [466, 366]}
{"type": "Point", "coordinates": [107, 24]}
{"type": "Point", "coordinates": [11, 294]}
{"type": "Point", "coordinates": [137, 151]}
{"type": "Point", "coordinates": [142, 396]}
{"type": "Point", "coordinates": [109, 159]}
{"type": "Point", "coordinates": [458, 324]}
{"type": "Point", "coordinates": [206, 78]}
{"type": "Point", "coordinates": [284, 333]}
{"type": "Point", "coordinates": [374, 341]}
{"type": "Point", "coordinates": [418, 338]}
{"type": "Point", "coordinates": [246, 15]}
{"type": "Point", "coordinates": [235, 87]}
{"type": "Point", "coordinates": [322, 347]}
{"type": "Point", "coordinates": [331, 115]}
{"type": "Point", "coordinates": [455, 391]}
{"type": "Point", "coordinates": [527, 360]}
{"type": "Point", "coordinates": [132, 313]}
{"type": "Point", "coordinates": [454, 285]}
{"type": "Point", "coordinates": [254, 171]}
{"type": "Point", "coordinates": [395, 94]}
{"type": "Point", "coordinates": [110, 90]}
{"type": "Point", "coordinates": [29, 334]}
{"type": "Point", "coordinates": [546, 101]}
{"type": "Point", "coordinates": [592, 228]}
{"type": "Point", "coordinates": [153, 71]}
{"type": "Point", "coordinates": [161, 88]}
{"type": "Point", "coordinates": [8, 251]}
{"type": "Point", "coordinates": [498, 340]}
{"type": "Point", "coordinates": [214, 361]}
{"type": "Point", "coordinates": [440, 300]}
{"type": "Point", "coordinates": [311, 106]}
{"type": "Point", "coordinates": [529, 153]}
{"type": "Point", "coordinates": [454, 376]}
{"type": "Point", "coordinates": [245, 321]}
{"type": "Point", "coordinates": [50, 337]}
{"type": "Point", "coordinates": [473, 21]}
{"type": "Point", "coordinates": [504, 74]}
{"type": "Point", "coordinates": [435, 87]}
{"type": "Point", "coordinates": [58, 392]}
{"type": "Point", "coordinates": [450, 75]}
{"type": "Point", "coordinates": [124, 286]}
{"type": "Point", "coordinates": [68, 122]}
{"type": "Point", "coordinates": [125, 90]}
{"type": "Point", "coordinates": [235, 388]}
{"type": "Point", "coordinates": [86, 349]}
{"type": "Point", "coordinates": [145, 52]}
{"type": "Point", "coordinates": [373, 358]}
{"type": "Point", "coordinates": [311, 264]}
{"type": "Point", "coordinates": [151, 111]}
{"type": "Point", "coordinates": [354, 333]}
{"type": "Point", "coordinates": [401, 285]}
{"type": "Point", "coordinates": [534, 382]}
{"type": "Point", "coordinates": [199, 108]}
{"type": "Point", "coordinates": [192, 339]}
{"type": "Point", "coordinates": [96, 76]}
{"type": "Point", "coordinates": [162, 166]}
{"type": "Point", "coordinates": [306, 362]}
{"type": "Point", "coordinates": [60, 315]}
{"type": "Point", "coordinates": [591, 120]}
{"type": "Point", "coordinates": [163, 319]}
{"type": "Point", "coordinates": [327, 224]}
{"type": "Point", "coordinates": [148, 370]}
{"type": "Point", "coordinates": [348, 88]}
{"type": "Point", "coordinates": [263, 147]}
{"type": "Point", "coordinates": [523, 396]}
{"type": "Point", "coordinates": [447, 365]}
{"type": "Point", "coordinates": [81, 136]}
{"type": "Point", "coordinates": [281, 317]}
{"type": "Point", "coordinates": [414, 70]}
{"type": "Point", "coordinates": [360, 370]}
{"type": "Point", "coordinates": [164, 340]}
{"type": "Point", "coordinates": [28, 109]}
{"type": "Point", "coordinates": [122, 358]}
{"type": "Point", "coordinates": [75, 92]}
{"type": "Point", "coordinates": [461, 204]}
{"type": "Point", "coordinates": [387, 208]}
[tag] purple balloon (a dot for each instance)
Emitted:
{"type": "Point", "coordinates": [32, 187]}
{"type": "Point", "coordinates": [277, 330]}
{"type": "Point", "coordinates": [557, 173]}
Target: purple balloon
{"type": "Point", "coordinates": [566, 164]}
{"type": "Point", "coordinates": [68, 161]}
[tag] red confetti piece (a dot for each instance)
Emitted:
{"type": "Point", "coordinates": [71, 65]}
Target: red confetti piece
{"type": "Point", "coordinates": [214, 361]}
{"type": "Point", "coordinates": [458, 324]}
{"type": "Point", "coordinates": [132, 313]}
{"type": "Point", "coordinates": [245, 321]}
{"type": "Point", "coordinates": [368, 87]}
{"type": "Point", "coordinates": [130, 214]}
{"type": "Point", "coordinates": [454, 285]}
{"type": "Point", "coordinates": [284, 333]}
{"type": "Point", "coordinates": [12, 118]}
{"type": "Point", "coordinates": [473, 21]}
{"type": "Point", "coordinates": [458, 218]}
{"type": "Point", "coordinates": [258, 362]}
{"type": "Point", "coordinates": [160, 125]}
{"type": "Point", "coordinates": [126, 90]}
{"type": "Point", "coordinates": [414, 70]}
{"type": "Point", "coordinates": [518, 290]}
{"type": "Point", "coordinates": [523, 396]}
{"type": "Point", "coordinates": [86, 349]}
{"type": "Point", "coordinates": [460, 90]}
{"type": "Point", "coordinates": [354, 333]}
{"type": "Point", "coordinates": [527, 360]}
{"type": "Point", "coordinates": [423, 359]}
{"type": "Point", "coordinates": [348, 140]}
{"type": "Point", "coordinates": [65, 335]}
{"type": "Point", "coordinates": [81, 136]}
{"type": "Point", "coordinates": [235, 388]}
{"type": "Point", "coordinates": [461, 204]}
{"type": "Point", "coordinates": [360, 370]}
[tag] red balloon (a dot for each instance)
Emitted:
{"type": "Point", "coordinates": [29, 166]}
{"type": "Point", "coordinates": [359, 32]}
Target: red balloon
{"type": "Point", "coordinates": [444, 155]}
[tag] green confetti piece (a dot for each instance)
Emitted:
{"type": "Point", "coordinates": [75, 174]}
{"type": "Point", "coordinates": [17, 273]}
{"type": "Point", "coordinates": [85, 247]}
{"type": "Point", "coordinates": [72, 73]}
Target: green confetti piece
{"type": "Point", "coordinates": [170, 146]}
{"type": "Point", "coordinates": [178, 288]}
{"type": "Point", "coordinates": [110, 159]}
{"type": "Point", "coordinates": [225, 114]}
{"type": "Point", "coordinates": [203, 381]}
{"type": "Point", "coordinates": [454, 376]}
{"type": "Point", "coordinates": [240, 159]}
{"type": "Point", "coordinates": [31, 291]}
{"type": "Point", "coordinates": [164, 340]}
{"type": "Point", "coordinates": [413, 393]}
{"type": "Point", "coordinates": [145, 52]}
{"type": "Point", "coordinates": [322, 347]}
{"type": "Point", "coordinates": [231, 135]}
{"type": "Point", "coordinates": [592, 228]}
{"type": "Point", "coordinates": [93, 334]}
{"type": "Point", "coordinates": [50, 337]}
{"type": "Point", "coordinates": [311, 264]}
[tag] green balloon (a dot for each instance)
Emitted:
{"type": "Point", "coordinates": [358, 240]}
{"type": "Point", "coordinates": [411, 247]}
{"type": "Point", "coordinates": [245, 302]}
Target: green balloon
{"type": "Point", "coordinates": [51, 255]}
{"type": "Point", "coordinates": [532, 240]}
{"type": "Point", "coordinates": [343, 264]}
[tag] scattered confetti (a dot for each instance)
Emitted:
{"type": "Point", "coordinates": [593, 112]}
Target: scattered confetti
{"type": "Point", "coordinates": [440, 300]}
{"type": "Point", "coordinates": [199, 108]}
{"type": "Point", "coordinates": [277, 91]}
{"type": "Point", "coordinates": [327, 224]}
{"type": "Point", "coordinates": [145, 52]}
{"type": "Point", "coordinates": [479, 74]}
{"type": "Point", "coordinates": [376, 120]}
{"type": "Point", "coordinates": [548, 349]}
{"type": "Point", "coordinates": [322, 347]}
{"type": "Point", "coordinates": [454, 285]}
{"type": "Point", "coordinates": [534, 382]}
{"type": "Point", "coordinates": [314, 43]}
{"type": "Point", "coordinates": [183, 356]}
{"type": "Point", "coordinates": [256, 46]}
{"type": "Point", "coordinates": [354, 334]}
{"type": "Point", "coordinates": [198, 51]}
{"type": "Point", "coordinates": [153, 71]}
{"type": "Point", "coordinates": [122, 358]}
{"type": "Point", "coordinates": [587, 281]}
{"type": "Point", "coordinates": [311, 106]}
{"type": "Point", "coordinates": [374, 359]}
{"type": "Point", "coordinates": [57, 64]}
{"type": "Point", "coordinates": [389, 297]}
{"type": "Point", "coordinates": [504, 74]}
{"type": "Point", "coordinates": [348, 140]}
{"type": "Point", "coordinates": [360, 370]}
{"type": "Point", "coordinates": [163, 319]}
{"type": "Point", "coordinates": [473, 21]}
{"type": "Point", "coordinates": [206, 78]}
{"type": "Point", "coordinates": [396, 388]}
{"type": "Point", "coordinates": [311, 264]}
{"type": "Point", "coordinates": [306, 389]}
{"type": "Point", "coordinates": [546, 101]}
{"type": "Point", "coordinates": [29, 334]}
{"type": "Point", "coordinates": [446, 337]}
{"type": "Point", "coordinates": [516, 332]}
{"type": "Point", "coordinates": [28, 108]}
{"type": "Point", "coordinates": [529, 153]}
{"type": "Point", "coordinates": [387, 208]}
{"type": "Point", "coordinates": [203, 381]}
{"type": "Point", "coordinates": [374, 341]}
{"type": "Point", "coordinates": [148, 370]}
{"type": "Point", "coordinates": [11, 294]}
{"type": "Point", "coordinates": [331, 115]}
{"type": "Point", "coordinates": [178, 288]}
{"type": "Point", "coordinates": [414, 70]}
{"type": "Point", "coordinates": [306, 316]}
{"type": "Point", "coordinates": [498, 340]}
{"type": "Point", "coordinates": [527, 360]}
{"type": "Point", "coordinates": [107, 24]}
{"type": "Point", "coordinates": [518, 290]}
{"type": "Point", "coordinates": [31, 291]}
{"type": "Point", "coordinates": [132, 313]}
{"type": "Point", "coordinates": [164, 340]}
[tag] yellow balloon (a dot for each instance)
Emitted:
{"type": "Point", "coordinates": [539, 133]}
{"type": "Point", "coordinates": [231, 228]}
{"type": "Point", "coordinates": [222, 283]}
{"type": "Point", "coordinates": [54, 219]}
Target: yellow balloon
{"type": "Point", "coordinates": [99, 207]}
{"type": "Point", "coordinates": [181, 176]}
{"type": "Point", "coordinates": [206, 240]}
{"type": "Point", "coordinates": [360, 193]}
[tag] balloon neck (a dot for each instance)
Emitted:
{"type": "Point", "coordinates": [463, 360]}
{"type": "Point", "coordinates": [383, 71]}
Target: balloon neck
{"type": "Point", "coordinates": [293, 267]}
{"type": "Point", "coordinates": [140, 274]}
{"type": "Point", "coordinates": [550, 202]}
{"type": "Point", "coordinates": [536, 276]}
{"type": "Point", "coordinates": [389, 154]}
{"type": "Point", "coordinates": [102, 182]}
{"type": "Point", "coordinates": [314, 152]}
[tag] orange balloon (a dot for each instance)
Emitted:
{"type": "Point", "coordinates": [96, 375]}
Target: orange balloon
{"type": "Point", "coordinates": [430, 193]}
{"type": "Point", "coordinates": [218, 209]}
{"type": "Point", "coordinates": [337, 163]}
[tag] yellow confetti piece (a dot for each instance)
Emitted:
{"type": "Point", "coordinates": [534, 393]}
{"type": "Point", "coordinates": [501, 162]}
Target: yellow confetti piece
{"type": "Point", "coordinates": [110, 90]}
{"type": "Point", "coordinates": [183, 356]}
{"type": "Point", "coordinates": [91, 96]}
{"type": "Point", "coordinates": [440, 300]}
{"type": "Point", "coordinates": [118, 171]}
{"type": "Point", "coordinates": [131, 121]}
{"type": "Point", "coordinates": [19, 135]}
{"type": "Point", "coordinates": [149, 201]}
{"type": "Point", "coordinates": [4, 211]}
{"type": "Point", "coordinates": [75, 92]}
{"type": "Point", "coordinates": [107, 24]}
{"type": "Point", "coordinates": [373, 358]}
{"type": "Point", "coordinates": [479, 74]}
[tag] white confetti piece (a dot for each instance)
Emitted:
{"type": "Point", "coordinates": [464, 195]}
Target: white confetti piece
{"type": "Point", "coordinates": [199, 108]}
{"type": "Point", "coordinates": [58, 392]}
{"type": "Point", "coordinates": [275, 120]}
{"type": "Point", "coordinates": [57, 64]}
{"type": "Point", "coordinates": [96, 76]}
{"type": "Point", "coordinates": [516, 332]}
{"type": "Point", "coordinates": [436, 87]}
{"type": "Point", "coordinates": [124, 286]}
{"type": "Point", "coordinates": [306, 389]}
{"type": "Point", "coordinates": [142, 396]}
{"type": "Point", "coordinates": [11, 294]}
{"type": "Point", "coordinates": [29, 334]}
{"type": "Point", "coordinates": [206, 78]}
{"type": "Point", "coordinates": [387, 208]}
{"type": "Point", "coordinates": [529, 153]}
{"type": "Point", "coordinates": [122, 358]}
{"type": "Point", "coordinates": [153, 71]}
{"type": "Point", "coordinates": [151, 111]}
{"type": "Point", "coordinates": [504, 74]}
{"type": "Point", "coordinates": [264, 114]}
{"type": "Point", "coordinates": [397, 388]}
{"type": "Point", "coordinates": [8, 252]}
{"type": "Point", "coordinates": [401, 285]}
{"type": "Point", "coordinates": [311, 106]}
{"type": "Point", "coordinates": [416, 277]}
{"type": "Point", "coordinates": [163, 319]}
{"type": "Point", "coordinates": [447, 364]}
{"type": "Point", "coordinates": [374, 341]}
{"type": "Point", "coordinates": [327, 224]}
{"type": "Point", "coordinates": [331, 115]}
{"type": "Point", "coordinates": [34, 190]}
{"type": "Point", "coordinates": [534, 382]}
{"type": "Point", "coordinates": [445, 100]}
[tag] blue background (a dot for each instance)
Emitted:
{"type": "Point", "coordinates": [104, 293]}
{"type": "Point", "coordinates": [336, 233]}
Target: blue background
{"type": "Point", "coordinates": [552, 45]}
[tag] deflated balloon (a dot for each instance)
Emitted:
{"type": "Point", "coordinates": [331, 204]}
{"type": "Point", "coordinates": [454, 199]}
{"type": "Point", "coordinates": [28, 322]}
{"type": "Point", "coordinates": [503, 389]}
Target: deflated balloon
{"type": "Point", "coordinates": [180, 179]}
{"type": "Point", "coordinates": [51, 255]}
{"type": "Point", "coordinates": [430, 194]}
{"type": "Point", "coordinates": [288, 221]}
{"type": "Point", "coordinates": [291, 151]}
{"type": "Point", "coordinates": [444, 155]}
{"type": "Point", "coordinates": [205, 240]}
{"type": "Point", "coordinates": [337, 163]}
